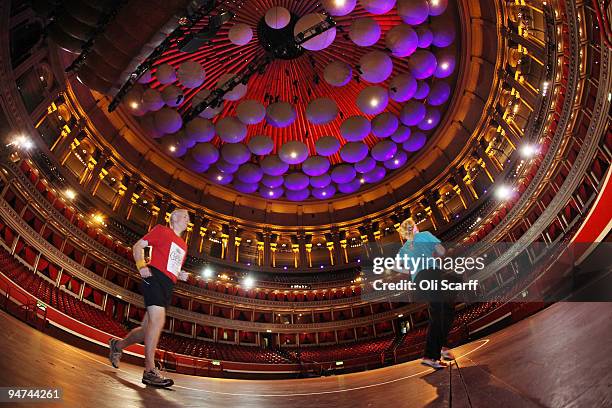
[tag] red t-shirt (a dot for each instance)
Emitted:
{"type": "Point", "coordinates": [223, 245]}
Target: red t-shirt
{"type": "Point", "coordinates": [168, 250]}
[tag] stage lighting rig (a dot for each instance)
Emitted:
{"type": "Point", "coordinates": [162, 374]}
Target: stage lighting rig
{"type": "Point", "coordinates": [194, 41]}
{"type": "Point", "coordinates": [216, 96]}
{"type": "Point", "coordinates": [258, 66]}
{"type": "Point", "coordinates": [196, 10]}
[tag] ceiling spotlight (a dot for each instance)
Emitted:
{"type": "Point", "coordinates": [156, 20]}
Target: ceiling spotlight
{"type": "Point", "coordinates": [528, 151]}
{"type": "Point", "coordinates": [429, 121]}
{"type": "Point", "coordinates": [22, 142]}
{"type": "Point", "coordinates": [396, 161]}
{"type": "Point", "coordinates": [172, 149]}
{"type": "Point", "coordinates": [70, 194]}
{"type": "Point", "coordinates": [207, 272]}
{"type": "Point", "coordinates": [444, 66]}
{"type": "Point", "coordinates": [503, 192]}
{"type": "Point", "coordinates": [324, 193]}
{"type": "Point", "coordinates": [248, 282]}
{"type": "Point", "coordinates": [97, 218]}
{"type": "Point", "coordinates": [339, 3]}
{"type": "Point", "coordinates": [293, 155]}
{"type": "Point", "coordinates": [434, 3]}
{"type": "Point", "coordinates": [374, 102]}
{"type": "Point", "coordinates": [134, 105]}
{"type": "Point", "coordinates": [219, 177]}
{"type": "Point", "coordinates": [270, 193]}
{"type": "Point", "coordinates": [362, 180]}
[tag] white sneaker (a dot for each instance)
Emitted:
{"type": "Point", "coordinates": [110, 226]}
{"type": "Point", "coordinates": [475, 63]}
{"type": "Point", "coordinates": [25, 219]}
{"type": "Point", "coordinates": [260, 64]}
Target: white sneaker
{"type": "Point", "coordinates": [437, 364]}
{"type": "Point", "coordinates": [447, 354]}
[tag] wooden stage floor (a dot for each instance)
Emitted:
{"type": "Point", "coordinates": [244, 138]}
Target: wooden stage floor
{"type": "Point", "coordinates": [560, 357]}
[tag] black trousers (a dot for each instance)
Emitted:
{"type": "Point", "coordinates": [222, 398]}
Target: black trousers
{"type": "Point", "coordinates": [441, 315]}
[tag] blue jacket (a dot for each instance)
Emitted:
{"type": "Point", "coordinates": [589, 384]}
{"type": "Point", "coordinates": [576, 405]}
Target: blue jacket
{"type": "Point", "coordinates": [423, 246]}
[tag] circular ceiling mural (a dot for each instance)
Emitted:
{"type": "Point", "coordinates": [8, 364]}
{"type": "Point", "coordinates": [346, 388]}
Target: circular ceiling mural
{"type": "Point", "coordinates": [350, 92]}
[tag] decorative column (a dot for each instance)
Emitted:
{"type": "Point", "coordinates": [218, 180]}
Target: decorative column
{"type": "Point", "coordinates": [377, 235]}
{"type": "Point", "coordinates": [439, 204]}
{"type": "Point", "coordinates": [224, 239]}
{"type": "Point", "coordinates": [231, 243]}
{"type": "Point", "coordinates": [89, 167]}
{"type": "Point", "coordinates": [534, 49]}
{"type": "Point", "coordinates": [461, 188]}
{"type": "Point", "coordinates": [344, 256]}
{"type": "Point", "coordinates": [273, 253]}
{"type": "Point", "coordinates": [367, 237]}
{"type": "Point", "coordinates": [397, 226]}
{"type": "Point", "coordinates": [197, 232]}
{"type": "Point", "coordinates": [469, 183]}
{"type": "Point", "coordinates": [432, 211]}
{"type": "Point", "coordinates": [93, 178]}
{"type": "Point", "coordinates": [487, 165]}
{"type": "Point", "coordinates": [267, 248]}
{"type": "Point", "coordinates": [526, 91]}
{"type": "Point", "coordinates": [335, 235]}
{"type": "Point", "coordinates": [330, 248]}
{"type": "Point", "coordinates": [124, 204]}
{"type": "Point", "coordinates": [309, 254]}
{"type": "Point", "coordinates": [164, 205]}
{"type": "Point", "coordinates": [62, 143]}
{"type": "Point", "coordinates": [238, 240]}
{"type": "Point", "coordinates": [494, 165]}
{"type": "Point", "coordinates": [295, 248]}
{"type": "Point", "coordinates": [260, 252]}
{"type": "Point", "coordinates": [301, 238]}
{"type": "Point", "coordinates": [505, 129]}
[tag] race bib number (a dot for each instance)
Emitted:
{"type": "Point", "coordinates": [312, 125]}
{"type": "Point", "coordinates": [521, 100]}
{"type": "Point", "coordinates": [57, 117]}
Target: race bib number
{"type": "Point", "coordinates": [175, 259]}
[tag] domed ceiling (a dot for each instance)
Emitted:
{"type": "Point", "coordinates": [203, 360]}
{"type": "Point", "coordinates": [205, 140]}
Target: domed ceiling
{"type": "Point", "coordinates": [330, 116]}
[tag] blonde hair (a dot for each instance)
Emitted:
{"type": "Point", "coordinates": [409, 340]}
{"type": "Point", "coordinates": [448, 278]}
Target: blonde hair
{"type": "Point", "coordinates": [407, 229]}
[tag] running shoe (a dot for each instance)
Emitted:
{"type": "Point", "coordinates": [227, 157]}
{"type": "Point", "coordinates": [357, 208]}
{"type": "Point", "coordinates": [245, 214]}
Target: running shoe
{"type": "Point", "coordinates": [114, 354]}
{"type": "Point", "coordinates": [447, 354]}
{"type": "Point", "coordinates": [437, 364]}
{"type": "Point", "coordinates": [155, 379]}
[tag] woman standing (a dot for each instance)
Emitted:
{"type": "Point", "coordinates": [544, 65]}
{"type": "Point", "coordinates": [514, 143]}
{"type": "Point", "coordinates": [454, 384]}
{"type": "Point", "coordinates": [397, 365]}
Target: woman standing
{"type": "Point", "coordinates": [441, 313]}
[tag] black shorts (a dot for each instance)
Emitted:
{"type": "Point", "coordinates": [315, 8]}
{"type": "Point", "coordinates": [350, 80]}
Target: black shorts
{"type": "Point", "coordinates": [157, 289]}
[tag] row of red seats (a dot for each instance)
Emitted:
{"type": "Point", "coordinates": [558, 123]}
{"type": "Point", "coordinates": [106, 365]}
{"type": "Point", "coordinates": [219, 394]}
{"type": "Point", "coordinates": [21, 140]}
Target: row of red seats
{"type": "Point", "coordinates": [346, 351]}
{"type": "Point", "coordinates": [58, 298]}
{"type": "Point", "coordinates": [290, 296]}
{"type": "Point", "coordinates": [70, 215]}
{"type": "Point", "coordinates": [220, 351]}
{"type": "Point", "coordinates": [473, 312]}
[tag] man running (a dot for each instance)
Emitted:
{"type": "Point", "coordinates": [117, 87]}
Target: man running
{"type": "Point", "coordinates": [168, 253]}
